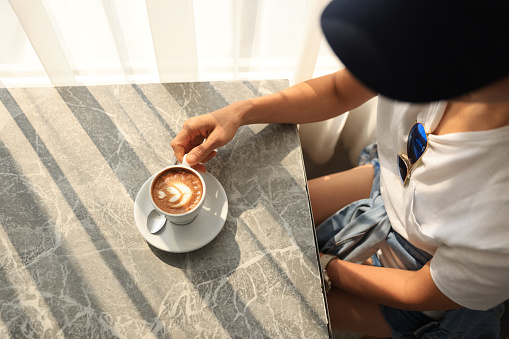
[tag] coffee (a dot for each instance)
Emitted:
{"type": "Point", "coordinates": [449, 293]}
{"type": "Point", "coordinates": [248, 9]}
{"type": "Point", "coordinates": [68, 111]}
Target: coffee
{"type": "Point", "coordinates": [177, 190]}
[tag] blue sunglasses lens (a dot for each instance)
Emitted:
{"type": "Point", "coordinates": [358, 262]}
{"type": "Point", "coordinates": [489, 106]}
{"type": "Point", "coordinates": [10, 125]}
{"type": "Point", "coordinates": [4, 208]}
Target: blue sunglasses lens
{"type": "Point", "coordinates": [417, 142]}
{"type": "Point", "coordinates": [416, 146]}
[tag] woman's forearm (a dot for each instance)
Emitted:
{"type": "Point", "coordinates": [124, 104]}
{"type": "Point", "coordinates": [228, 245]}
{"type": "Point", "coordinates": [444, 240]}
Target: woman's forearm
{"type": "Point", "coordinates": [311, 101]}
{"type": "Point", "coordinates": [410, 290]}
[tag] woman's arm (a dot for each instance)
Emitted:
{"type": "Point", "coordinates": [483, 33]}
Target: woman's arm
{"type": "Point", "coordinates": [311, 101]}
{"type": "Point", "coordinates": [408, 290]}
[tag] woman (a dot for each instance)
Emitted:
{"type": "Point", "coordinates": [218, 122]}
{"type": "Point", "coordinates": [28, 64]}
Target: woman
{"type": "Point", "coordinates": [426, 214]}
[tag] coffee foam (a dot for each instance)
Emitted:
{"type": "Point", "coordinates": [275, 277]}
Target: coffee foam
{"type": "Point", "coordinates": [179, 194]}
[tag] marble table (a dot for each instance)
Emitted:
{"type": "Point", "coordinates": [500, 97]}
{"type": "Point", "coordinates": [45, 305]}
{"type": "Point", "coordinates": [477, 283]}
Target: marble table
{"type": "Point", "coordinates": [72, 261]}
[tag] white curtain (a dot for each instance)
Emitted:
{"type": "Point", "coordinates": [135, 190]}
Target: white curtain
{"type": "Point", "coordinates": [88, 42]}
{"type": "Point", "coordinates": [93, 42]}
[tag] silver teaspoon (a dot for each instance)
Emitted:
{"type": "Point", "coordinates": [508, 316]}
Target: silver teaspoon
{"type": "Point", "coordinates": [155, 221]}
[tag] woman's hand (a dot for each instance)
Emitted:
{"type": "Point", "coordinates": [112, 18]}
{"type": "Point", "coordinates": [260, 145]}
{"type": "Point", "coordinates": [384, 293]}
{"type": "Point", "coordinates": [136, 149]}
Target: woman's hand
{"type": "Point", "coordinates": [201, 135]}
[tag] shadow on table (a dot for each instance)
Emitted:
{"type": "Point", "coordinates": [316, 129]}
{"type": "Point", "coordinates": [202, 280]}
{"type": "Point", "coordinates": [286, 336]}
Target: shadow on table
{"type": "Point", "coordinates": [49, 263]}
{"type": "Point", "coordinates": [43, 253]}
{"type": "Point", "coordinates": [212, 285]}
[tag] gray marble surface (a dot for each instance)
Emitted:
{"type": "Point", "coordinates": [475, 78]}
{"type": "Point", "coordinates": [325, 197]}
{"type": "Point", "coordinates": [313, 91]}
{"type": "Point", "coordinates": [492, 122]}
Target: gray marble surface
{"type": "Point", "coordinates": [72, 261]}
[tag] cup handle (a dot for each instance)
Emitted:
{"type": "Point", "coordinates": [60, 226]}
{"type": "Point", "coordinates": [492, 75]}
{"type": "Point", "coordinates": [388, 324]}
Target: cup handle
{"type": "Point", "coordinates": [184, 161]}
{"type": "Point", "coordinates": [174, 161]}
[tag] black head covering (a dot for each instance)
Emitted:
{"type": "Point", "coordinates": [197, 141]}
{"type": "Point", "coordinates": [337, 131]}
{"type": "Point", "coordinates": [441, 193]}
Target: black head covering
{"type": "Point", "coordinates": [420, 50]}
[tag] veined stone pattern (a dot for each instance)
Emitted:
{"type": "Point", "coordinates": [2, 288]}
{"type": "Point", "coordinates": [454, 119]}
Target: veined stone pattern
{"type": "Point", "coordinates": [72, 262]}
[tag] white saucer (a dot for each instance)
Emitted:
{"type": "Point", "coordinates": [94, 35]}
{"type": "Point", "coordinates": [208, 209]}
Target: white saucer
{"type": "Point", "coordinates": [190, 237]}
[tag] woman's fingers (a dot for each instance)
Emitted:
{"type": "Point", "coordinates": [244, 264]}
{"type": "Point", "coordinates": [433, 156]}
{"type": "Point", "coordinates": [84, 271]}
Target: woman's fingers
{"type": "Point", "coordinates": [201, 136]}
{"type": "Point", "coordinates": [210, 156]}
{"type": "Point", "coordinates": [203, 152]}
{"type": "Point", "coordinates": [200, 168]}
{"type": "Point", "coordinates": [193, 133]}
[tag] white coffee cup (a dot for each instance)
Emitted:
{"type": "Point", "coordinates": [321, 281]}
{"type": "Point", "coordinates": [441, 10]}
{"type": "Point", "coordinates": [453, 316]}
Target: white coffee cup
{"type": "Point", "coordinates": [188, 216]}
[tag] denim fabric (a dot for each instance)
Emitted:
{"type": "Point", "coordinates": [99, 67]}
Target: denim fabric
{"type": "Point", "coordinates": [412, 257]}
{"type": "Point", "coordinates": [356, 232]}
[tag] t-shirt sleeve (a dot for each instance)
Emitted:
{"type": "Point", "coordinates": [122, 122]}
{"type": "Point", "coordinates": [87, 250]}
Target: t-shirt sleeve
{"type": "Point", "coordinates": [475, 279]}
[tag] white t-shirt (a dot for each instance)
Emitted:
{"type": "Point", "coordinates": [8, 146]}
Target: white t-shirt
{"type": "Point", "coordinates": [456, 205]}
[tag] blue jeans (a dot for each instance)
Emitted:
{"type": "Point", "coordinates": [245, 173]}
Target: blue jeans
{"type": "Point", "coordinates": [355, 233]}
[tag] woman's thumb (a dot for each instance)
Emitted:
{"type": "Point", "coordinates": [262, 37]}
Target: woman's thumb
{"type": "Point", "coordinates": [200, 152]}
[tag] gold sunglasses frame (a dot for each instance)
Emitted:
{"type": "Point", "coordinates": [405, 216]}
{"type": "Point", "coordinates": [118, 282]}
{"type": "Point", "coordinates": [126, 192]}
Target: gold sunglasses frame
{"type": "Point", "coordinates": [404, 156]}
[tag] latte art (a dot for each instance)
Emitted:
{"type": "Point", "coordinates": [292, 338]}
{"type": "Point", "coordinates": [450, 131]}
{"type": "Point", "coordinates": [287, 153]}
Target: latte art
{"type": "Point", "coordinates": [177, 190]}
{"type": "Point", "coordinates": [179, 194]}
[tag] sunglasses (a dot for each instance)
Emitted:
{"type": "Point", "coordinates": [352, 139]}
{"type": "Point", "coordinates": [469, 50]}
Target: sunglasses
{"type": "Point", "coordinates": [417, 145]}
